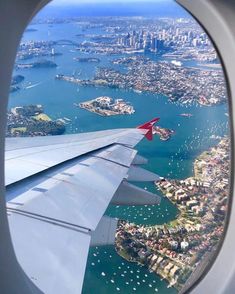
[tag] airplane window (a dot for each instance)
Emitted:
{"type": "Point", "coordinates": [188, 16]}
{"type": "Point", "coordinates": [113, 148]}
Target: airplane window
{"type": "Point", "coordinates": [86, 67]}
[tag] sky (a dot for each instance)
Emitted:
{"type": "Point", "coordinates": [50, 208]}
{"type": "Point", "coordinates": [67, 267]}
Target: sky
{"type": "Point", "coordinates": [76, 8]}
{"type": "Point", "coordinates": [75, 2]}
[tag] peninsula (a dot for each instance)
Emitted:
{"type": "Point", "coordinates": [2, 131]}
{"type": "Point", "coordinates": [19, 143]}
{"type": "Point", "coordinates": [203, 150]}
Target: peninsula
{"type": "Point", "coordinates": [37, 64]}
{"type": "Point", "coordinates": [178, 249]}
{"type": "Point", "coordinates": [175, 82]}
{"type": "Point", "coordinates": [31, 121]}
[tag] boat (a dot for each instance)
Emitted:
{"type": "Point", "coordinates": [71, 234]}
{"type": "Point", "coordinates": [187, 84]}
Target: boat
{"type": "Point", "coordinates": [68, 120]}
{"type": "Point", "coordinates": [186, 114]}
{"type": "Point", "coordinates": [137, 91]}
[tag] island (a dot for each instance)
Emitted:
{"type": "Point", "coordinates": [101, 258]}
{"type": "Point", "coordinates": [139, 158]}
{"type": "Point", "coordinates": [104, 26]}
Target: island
{"type": "Point", "coordinates": [37, 64]}
{"type": "Point", "coordinates": [164, 133]}
{"type": "Point", "coordinates": [30, 120]}
{"type": "Point", "coordinates": [87, 59]}
{"type": "Point", "coordinates": [16, 80]}
{"type": "Point", "coordinates": [107, 106]}
{"type": "Point", "coordinates": [178, 250]}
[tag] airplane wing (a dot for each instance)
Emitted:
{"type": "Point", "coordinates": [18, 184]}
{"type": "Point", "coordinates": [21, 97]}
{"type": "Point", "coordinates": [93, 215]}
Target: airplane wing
{"type": "Point", "coordinates": [58, 189]}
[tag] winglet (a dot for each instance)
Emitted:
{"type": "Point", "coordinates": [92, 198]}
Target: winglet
{"type": "Point", "coordinates": [149, 127]}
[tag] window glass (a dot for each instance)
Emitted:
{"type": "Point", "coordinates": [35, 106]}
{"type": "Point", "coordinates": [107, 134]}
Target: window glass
{"type": "Point", "coordinates": [85, 67]}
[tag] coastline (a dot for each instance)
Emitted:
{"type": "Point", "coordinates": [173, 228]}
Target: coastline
{"type": "Point", "coordinates": [175, 250]}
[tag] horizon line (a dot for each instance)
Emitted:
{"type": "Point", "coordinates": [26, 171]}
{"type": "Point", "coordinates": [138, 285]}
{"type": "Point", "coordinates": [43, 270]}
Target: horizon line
{"type": "Point", "coordinates": [84, 2]}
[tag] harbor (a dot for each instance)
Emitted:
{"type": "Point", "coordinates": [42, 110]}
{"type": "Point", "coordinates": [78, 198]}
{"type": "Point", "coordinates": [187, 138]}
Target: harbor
{"type": "Point", "coordinates": [172, 159]}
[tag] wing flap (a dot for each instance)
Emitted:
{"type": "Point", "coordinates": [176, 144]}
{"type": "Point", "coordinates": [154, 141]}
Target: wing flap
{"type": "Point", "coordinates": [105, 232]}
{"type": "Point", "coordinates": [118, 154]}
{"type": "Point", "coordinates": [138, 174]}
{"type": "Point", "coordinates": [128, 194]}
{"type": "Point", "coordinates": [139, 160]}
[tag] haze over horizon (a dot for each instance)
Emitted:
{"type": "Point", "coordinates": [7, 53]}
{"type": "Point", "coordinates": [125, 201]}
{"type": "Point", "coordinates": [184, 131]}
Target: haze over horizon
{"type": "Point", "coordinates": [75, 8]}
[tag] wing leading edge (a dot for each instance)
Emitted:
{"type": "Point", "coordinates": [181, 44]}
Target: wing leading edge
{"type": "Point", "coordinates": [56, 204]}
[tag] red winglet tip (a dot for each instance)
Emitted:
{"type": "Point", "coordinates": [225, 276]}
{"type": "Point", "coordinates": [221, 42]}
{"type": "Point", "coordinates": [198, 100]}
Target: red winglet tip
{"type": "Point", "coordinates": [149, 126]}
{"type": "Point", "coordinates": [149, 135]}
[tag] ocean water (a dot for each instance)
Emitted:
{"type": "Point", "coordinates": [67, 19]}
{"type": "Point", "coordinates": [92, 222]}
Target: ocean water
{"type": "Point", "coordinates": [106, 271]}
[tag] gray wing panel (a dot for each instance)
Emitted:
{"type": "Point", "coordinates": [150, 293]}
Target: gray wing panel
{"type": "Point", "coordinates": [24, 142]}
{"type": "Point", "coordinates": [108, 135]}
{"type": "Point", "coordinates": [28, 156]}
{"type": "Point", "coordinates": [77, 193]}
{"type": "Point", "coordinates": [118, 154]}
{"type": "Point", "coordinates": [52, 213]}
{"type": "Point", "coordinates": [54, 257]}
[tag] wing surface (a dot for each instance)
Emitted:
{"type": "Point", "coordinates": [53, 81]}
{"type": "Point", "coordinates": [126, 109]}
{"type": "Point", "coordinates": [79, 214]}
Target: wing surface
{"type": "Point", "coordinates": [38, 154]}
{"type": "Point", "coordinates": [58, 189]}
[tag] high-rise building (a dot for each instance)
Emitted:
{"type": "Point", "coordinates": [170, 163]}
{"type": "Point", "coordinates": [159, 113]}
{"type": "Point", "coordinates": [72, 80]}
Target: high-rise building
{"type": "Point", "coordinates": [147, 42]}
{"type": "Point", "coordinates": [195, 42]}
{"type": "Point", "coordinates": [154, 44]}
{"type": "Point", "coordinates": [177, 32]}
{"type": "Point", "coordinates": [160, 45]}
{"type": "Point", "coordinates": [163, 34]}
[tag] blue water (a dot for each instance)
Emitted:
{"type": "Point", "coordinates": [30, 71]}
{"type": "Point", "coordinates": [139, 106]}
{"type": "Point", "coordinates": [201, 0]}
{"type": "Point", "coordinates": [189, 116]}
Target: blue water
{"type": "Point", "coordinates": [173, 158]}
{"type": "Point", "coordinates": [123, 277]}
